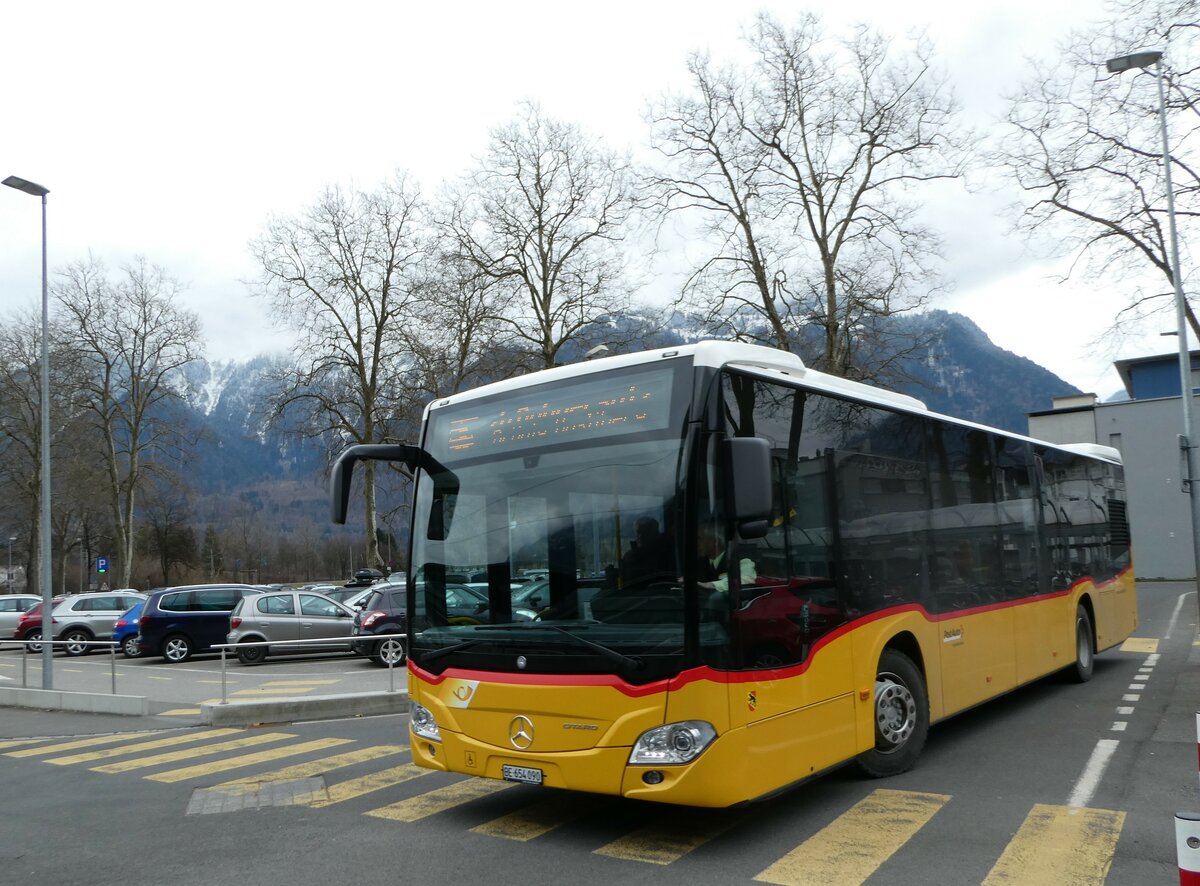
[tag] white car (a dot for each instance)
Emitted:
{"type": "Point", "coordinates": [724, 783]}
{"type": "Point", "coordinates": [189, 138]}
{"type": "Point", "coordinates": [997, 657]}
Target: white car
{"type": "Point", "coordinates": [11, 607]}
{"type": "Point", "coordinates": [85, 617]}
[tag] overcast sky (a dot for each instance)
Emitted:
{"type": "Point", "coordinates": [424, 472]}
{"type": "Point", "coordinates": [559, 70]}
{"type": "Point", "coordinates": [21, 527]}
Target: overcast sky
{"type": "Point", "coordinates": [175, 134]}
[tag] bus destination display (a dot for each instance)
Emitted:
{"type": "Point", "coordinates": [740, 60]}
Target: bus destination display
{"type": "Point", "coordinates": [588, 409]}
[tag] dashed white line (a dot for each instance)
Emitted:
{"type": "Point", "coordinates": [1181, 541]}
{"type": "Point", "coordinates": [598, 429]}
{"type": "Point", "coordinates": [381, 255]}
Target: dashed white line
{"type": "Point", "coordinates": [1131, 697]}
{"type": "Point", "coordinates": [1119, 726]}
{"type": "Point", "coordinates": [1125, 712]}
{"type": "Point", "coordinates": [1086, 786]}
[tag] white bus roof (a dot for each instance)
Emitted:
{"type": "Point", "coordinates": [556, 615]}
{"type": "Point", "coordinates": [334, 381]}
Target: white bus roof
{"type": "Point", "coordinates": [760, 360]}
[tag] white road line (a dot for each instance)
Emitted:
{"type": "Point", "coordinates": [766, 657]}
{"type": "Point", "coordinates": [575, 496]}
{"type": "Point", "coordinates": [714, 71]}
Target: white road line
{"type": "Point", "coordinates": [1085, 787]}
{"type": "Point", "coordinates": [1131, 697]}
{"type": "Point", "coordinates": [1137, 687]}
{"type": "Point", "coordinates": [1125, 712]}
{"type": "Point", "coordinates": [1119, 726]}
{"type": "Point", "coordinates": [1175, 614]}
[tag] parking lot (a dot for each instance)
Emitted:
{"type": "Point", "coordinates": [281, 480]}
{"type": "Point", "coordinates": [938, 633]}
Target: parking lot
{"type": "Point", "coordinates": [177, 690]}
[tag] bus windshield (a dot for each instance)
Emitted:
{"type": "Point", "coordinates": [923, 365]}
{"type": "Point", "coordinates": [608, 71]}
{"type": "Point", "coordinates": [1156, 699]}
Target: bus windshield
{"type": "Point", "coordinates": [565, 519]}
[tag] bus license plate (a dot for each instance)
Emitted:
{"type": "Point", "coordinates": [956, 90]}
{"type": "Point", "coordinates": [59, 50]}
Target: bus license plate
{"type": "Point", "coordinates": [523, 774]}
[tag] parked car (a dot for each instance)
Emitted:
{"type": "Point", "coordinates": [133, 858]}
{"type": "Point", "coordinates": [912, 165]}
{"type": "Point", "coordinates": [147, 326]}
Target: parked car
{"type": "Point", "coordinates": [29, 625]}
{"type": "Point", "coordinates": [125, 631]}
{"type": "Point", "coordinates": [82, 618]}
{"type": "Point", "coordinates": [351, 597]}
{"type": "Point", "coordinates": [179, 622]}
{"type": "Point", "coordinates": [364, 578]}
{"type": "Point", "coordinates": [284, 616]}
{"type": "Point", "coordinates": [386, 612]}
{"type": "Point", "coordinates": [12, 606]}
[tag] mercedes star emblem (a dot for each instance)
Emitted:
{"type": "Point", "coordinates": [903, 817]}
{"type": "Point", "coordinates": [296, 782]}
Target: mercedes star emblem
{"type": "Point", "coordinates": [520, 733]}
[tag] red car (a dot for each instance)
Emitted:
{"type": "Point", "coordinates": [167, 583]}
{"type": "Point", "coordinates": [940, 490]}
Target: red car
{"type": "Point", "coordinates": [29, 626]}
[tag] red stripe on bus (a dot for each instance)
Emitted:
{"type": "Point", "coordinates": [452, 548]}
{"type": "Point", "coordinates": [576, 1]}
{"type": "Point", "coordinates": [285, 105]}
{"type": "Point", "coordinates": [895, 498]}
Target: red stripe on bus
{"type": "Point", "coordinates": [706, 673]}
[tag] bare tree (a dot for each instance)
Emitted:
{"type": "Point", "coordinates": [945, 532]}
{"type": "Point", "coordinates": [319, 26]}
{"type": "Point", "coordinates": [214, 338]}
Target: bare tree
{"type": "Point", "coordinates": [541, 223]}
{"type": "Point", "coordinates": [341, 275]}
{"type": "Point", "coordinates": [1084, 146]}
{"type": "Point", "coordinates": [130, 340]}
{"type": "Point", "coordinates": [800, 170]}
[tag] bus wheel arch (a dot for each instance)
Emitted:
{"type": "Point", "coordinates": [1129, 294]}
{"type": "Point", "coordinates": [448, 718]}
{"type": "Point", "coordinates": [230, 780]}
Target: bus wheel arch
{"type": "Point", "coordinates": [900, 715]}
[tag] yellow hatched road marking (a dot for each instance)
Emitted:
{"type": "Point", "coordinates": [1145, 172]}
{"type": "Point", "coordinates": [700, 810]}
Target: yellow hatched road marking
{"type": "Point", "coordinates": [80, 743]}
{"type": "Point", "coordinates": [186, 738]}
{"type": "Point", "coordinates": [180, 712]}
{"type": "Point", "coordinates": [268, 692]}
{"type": "Point", "coordinates": [301, 682]}
{"type": "Point", "coordinates": [1140, 644]}
{"type": "Point", "coordinates": [318, 767]}
{"type": "Point", "coordinates": [366, 784]}
{"type": "Point", "coordinates": [535, 820]}
{"type": "Point", "coordinates": [853, 846]}
{"type": "Point", "coordinates": [292, 750]}
{"type": "Point", "coordinates": [433, 802]}
{"type": "Point", "coordinates": [1064, 845]}
{"type": "Point", "coordinates": [666, 843]}
{"type": "Point", "coordinates": [192, 753]}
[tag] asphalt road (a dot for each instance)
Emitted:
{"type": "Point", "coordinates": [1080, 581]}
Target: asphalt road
{"type": "Point", "coordinates": [1011, 792]}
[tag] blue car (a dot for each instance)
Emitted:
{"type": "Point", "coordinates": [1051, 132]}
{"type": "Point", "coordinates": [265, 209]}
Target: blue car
{"type": "Point", "coordinates": [125, 631]}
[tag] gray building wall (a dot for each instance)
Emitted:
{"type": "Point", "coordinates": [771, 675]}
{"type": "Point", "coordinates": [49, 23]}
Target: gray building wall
{"type": "Point", "coordinates": [1145, 432]}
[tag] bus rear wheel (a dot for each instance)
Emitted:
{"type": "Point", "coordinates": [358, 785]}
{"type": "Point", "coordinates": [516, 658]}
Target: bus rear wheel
{"type": "Point", "coordinates": [901, 717]}
{"type": "Point", "coordinates": [1085, 646]}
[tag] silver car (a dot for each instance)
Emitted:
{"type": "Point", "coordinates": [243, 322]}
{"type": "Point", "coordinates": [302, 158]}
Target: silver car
{"type": "Point", "coordinates": [281, 616]}
{"type": "Point", "coordinates": [11, 607]}
{"type": "Point", "coordinates": [85, 617]}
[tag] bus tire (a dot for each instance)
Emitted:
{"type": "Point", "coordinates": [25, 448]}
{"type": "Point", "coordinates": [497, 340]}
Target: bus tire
{"type": "Point", "coordinates": [901, 717]}
{"type": "Point", "coordinates": [1085, 647]}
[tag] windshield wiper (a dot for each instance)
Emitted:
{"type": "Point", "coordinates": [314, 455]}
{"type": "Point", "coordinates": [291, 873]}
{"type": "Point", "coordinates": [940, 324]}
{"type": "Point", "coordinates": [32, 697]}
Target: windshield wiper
{"type": "Point", "coordinates": [634, 663]}
{"type": "Point", "coordinates": [446, 650]}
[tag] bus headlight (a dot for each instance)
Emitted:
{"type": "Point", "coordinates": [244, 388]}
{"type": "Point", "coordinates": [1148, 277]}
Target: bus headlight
{"type": "Point", "coordinates": [673, 744]}
{"type": "Point", "coordinates": [423, 724]}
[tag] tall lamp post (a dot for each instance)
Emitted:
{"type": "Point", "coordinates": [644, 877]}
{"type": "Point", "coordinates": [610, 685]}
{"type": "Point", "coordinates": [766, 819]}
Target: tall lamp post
{"type": "Point", "coordinates": [8, 575]}
{"type": "Point", "coordinates": [45, 579]}
{"type": "Point", "coordinates": [1143, 59]}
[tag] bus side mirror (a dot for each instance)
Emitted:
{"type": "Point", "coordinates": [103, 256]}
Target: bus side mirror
{"type": "Point", "coordinates": [748, 473]}
{"type": "Point", "coordinates": [445, 482]}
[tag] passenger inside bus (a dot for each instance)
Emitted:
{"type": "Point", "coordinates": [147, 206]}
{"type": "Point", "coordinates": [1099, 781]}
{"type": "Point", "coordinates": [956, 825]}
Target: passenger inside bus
{"type": "Point", "coordinates": [649, 555]}
{"type": "Point", "coordinates": [713, 568]}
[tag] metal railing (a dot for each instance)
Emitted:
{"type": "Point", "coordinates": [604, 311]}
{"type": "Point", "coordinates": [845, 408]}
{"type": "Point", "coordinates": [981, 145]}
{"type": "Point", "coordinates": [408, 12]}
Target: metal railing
{"type": "Point", "coordinates": [366, 639]}
{"type": "Point", "coordinates": [111, 644]}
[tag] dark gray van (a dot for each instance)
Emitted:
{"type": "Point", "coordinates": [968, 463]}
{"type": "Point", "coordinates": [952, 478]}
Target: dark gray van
{"type": "Point", "coordinates": [176, 623]}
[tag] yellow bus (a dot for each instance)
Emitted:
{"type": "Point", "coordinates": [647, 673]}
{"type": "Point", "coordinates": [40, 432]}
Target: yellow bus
{"type": "Point", "coordinates": [705, 574]}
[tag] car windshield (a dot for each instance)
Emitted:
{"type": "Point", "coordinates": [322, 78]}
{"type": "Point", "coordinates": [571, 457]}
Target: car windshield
{"type": "Point", "coordinates": [599, 518]}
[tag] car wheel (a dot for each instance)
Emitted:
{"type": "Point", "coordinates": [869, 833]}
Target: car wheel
{"type": "Point", "coordinates": [130, 647]}
{"type": "Point", "coordinates": [1085, 647]}
{"type": "Point", "coordinates": [901, 717]}
{"type": "Point", "coordinates": [389, 652]}
{"type": "Point", "coordinates": [31, 648]}
{"type": "Point", "coordinates": [76, 640]}
{"type": "Point", "coordinates": [176, 648]}
{"type": "Point", "coordinates": [252, 655]}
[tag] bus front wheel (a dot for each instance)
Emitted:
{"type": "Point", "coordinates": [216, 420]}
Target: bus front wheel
{"type": "Point", "coordinates": [901, 717]}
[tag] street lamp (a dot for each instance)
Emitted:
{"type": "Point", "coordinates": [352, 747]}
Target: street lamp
{"type": "Point", "coordinates": [1143, 59]}
{"type": "Point", "coordinates": [8, 575]}
{"type": "Point", "coordinates": [37, 190]}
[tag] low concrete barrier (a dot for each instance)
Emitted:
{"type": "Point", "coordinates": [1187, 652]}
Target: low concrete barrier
{"type": "Point", "coordinates": [87, 702]}
{"type": "Point", "coordinates": [284, 710]}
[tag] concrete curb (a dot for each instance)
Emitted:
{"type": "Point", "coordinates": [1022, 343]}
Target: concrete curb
{"type": "Point", "coordinates": [323, 707]}
{"type": "Point", "coordinates": [87, 702]}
